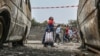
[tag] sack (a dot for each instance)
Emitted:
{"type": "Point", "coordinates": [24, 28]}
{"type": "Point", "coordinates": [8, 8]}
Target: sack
{"type": "Point", "coordinates": [49, 37]}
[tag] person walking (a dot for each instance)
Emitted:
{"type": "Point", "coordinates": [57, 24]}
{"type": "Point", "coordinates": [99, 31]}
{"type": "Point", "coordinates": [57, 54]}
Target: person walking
{"type": "Point", "coordinates": [66, 34]}
{"type": "Point", "coordinates": [58, 33]}
{"type": "Point", "coordinates": [48, 38]}
{"type": "Point", "coordinates": [70, 33]}
{"type": "Point", "coordinates": [49, 28]}
{"type": "Point", "coordinates": [75, 35]}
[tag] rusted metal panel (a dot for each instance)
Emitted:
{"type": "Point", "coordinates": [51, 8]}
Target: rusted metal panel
{"type": "Point", "coordinates": [88, 22]}
{"type": "Point", "coordinates": [20, 17]}
{"type": "Point", "coordinates": [86, 10]}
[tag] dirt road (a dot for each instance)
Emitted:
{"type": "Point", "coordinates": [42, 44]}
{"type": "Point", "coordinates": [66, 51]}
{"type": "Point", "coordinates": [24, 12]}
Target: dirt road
{"type": "Point", "coordinates": [35, 48]}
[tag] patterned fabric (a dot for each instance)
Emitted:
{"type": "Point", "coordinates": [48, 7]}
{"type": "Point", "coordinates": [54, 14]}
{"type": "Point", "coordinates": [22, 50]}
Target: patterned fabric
{"type": "Point", "coordinates": [49, 37]}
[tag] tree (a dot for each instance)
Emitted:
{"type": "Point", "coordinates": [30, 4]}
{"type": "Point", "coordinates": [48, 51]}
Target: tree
{"type": "Point", "coordinates": [44, 23]}
{"type": "Point", "coordinates": [72, 23]}
{"type": "Point", "coordinates": [34, 22]}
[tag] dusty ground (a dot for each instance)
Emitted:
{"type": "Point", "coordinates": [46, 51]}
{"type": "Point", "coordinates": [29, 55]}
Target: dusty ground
{"type": "Point", "coordinates": [35, 48]}
{"type": "Point", "coordinates": [61, 49]}
{"type": "Point", "coordinates": [61, 46]}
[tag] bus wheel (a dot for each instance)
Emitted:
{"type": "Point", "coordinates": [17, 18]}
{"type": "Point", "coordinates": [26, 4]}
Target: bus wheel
{"type": "Point", "coordinates": [2, 31]}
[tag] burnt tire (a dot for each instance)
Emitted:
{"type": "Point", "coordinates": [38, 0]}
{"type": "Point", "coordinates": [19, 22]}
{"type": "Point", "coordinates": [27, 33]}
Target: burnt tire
{"type": "Point", "coordinates": [3, 31]}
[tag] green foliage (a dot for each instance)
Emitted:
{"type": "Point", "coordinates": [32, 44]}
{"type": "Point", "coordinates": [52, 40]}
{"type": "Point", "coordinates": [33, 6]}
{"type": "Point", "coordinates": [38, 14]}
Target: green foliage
{"type": "Point", "coordinates": [35, 23]}
{"type": "Point", "coordinates": [73, 23]}
{"type": "Point", "coordinates": [44, 23]}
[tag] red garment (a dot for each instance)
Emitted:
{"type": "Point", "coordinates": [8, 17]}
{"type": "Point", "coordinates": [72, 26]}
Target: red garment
{"type": "Point", "coordinates": [67, 31]}
{"type": "Point", "coordinates": [50, 22]}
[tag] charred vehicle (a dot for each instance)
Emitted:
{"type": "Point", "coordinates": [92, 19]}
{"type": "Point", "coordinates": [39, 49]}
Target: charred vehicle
{"type": "Point", "coordinates": [15, 21]}
{"type": "Point", "coordinates": [89, 23]}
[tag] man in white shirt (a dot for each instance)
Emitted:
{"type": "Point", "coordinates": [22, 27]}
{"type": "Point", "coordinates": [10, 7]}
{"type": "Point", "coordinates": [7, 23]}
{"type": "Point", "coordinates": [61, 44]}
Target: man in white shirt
{"type": "Point", "coordinates": [58, 32]}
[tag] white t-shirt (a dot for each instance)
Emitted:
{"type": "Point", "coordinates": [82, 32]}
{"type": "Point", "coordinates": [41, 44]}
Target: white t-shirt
{"type": "Point", "coordinates": [70, 32]}
{"type": "Point", "coordinates": [58, 30]}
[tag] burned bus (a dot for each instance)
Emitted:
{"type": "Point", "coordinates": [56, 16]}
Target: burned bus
{"type": "Point", "coordinates": [89, 23]}
{"type": "Point", "coordinates": [15, 21]}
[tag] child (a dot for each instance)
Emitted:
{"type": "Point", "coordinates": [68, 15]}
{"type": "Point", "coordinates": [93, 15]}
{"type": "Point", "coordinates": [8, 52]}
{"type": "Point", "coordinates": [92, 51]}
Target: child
{"type": "Point", "coordinates": [51, 23]}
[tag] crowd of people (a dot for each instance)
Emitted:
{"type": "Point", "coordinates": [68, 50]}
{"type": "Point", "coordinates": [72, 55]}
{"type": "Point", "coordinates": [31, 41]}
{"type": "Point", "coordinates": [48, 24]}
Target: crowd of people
{"type": "Point", "coordinates": [56, 34]}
